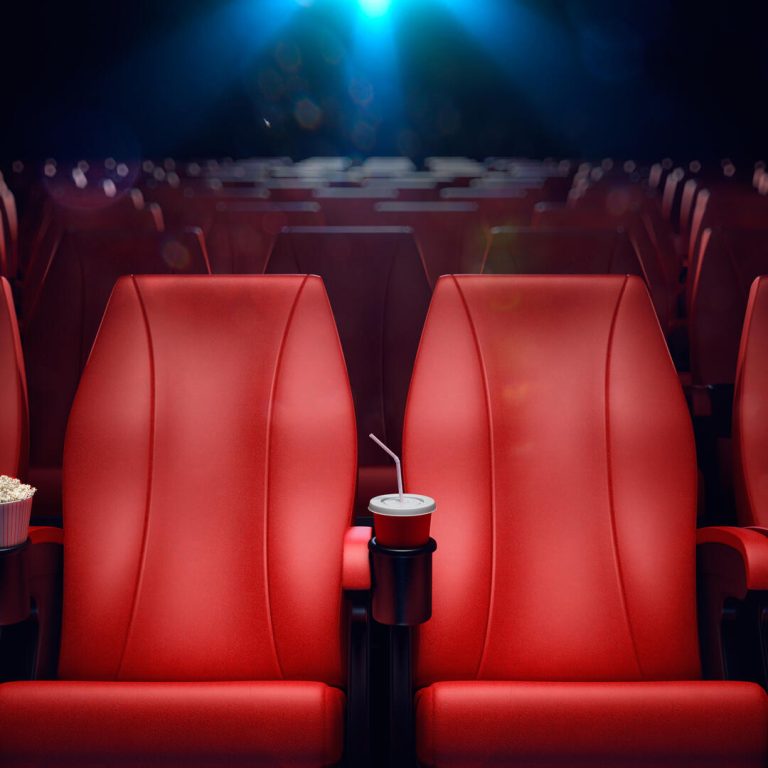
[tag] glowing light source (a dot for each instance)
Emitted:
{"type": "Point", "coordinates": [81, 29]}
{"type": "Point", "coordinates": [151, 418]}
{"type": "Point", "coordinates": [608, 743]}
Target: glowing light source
{"type": "Point", "coordinates": [375, 7]}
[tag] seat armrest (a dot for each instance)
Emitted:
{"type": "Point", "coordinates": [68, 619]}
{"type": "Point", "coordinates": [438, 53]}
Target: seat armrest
{"type": "Point", "coordinates": [356, 567]}
{"type": "Point", "coordinates": [732, 566]}
{"type": "Point", "coordinates": [736, 557]}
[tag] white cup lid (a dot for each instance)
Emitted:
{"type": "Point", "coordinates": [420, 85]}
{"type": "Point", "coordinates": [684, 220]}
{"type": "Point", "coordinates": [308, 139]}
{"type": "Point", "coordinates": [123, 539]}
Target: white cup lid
{"type": "Point", "coordinates": [412, 504]}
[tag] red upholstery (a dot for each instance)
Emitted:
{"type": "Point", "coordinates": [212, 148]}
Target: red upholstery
{"type": "Point", "coordinates": [4, 270]}
{"type": "Point", "coordinates": [208, 485]}
{"type": "Point", "coordinates": [14, 433]}
{"type": "Point", "coordinates": [122, 214]}
{"type": "Point", "coordinates": [451, 235]}
{"type": "Point", "coordinates": [546, 419]}
{"type": "Point", "coordinates": [60, 328]}
{"type": "Point", "coordinates": [644, 226]}
{"type": "Point", "coordinates": [356, 569]}
{"type": "Point", "coordinates": [521, 250]}
{"type": "Point", "coordinates": [722, 208]}
{"type": "Point", "coordinates": [9, 232]}
{"type": "Point", "coordinates": [730, 260]}
{"type": "Point", "coordinates": [351, 206]}
{"type": "Point", "coordinates": [621, 725]}
{"type": "Point", "coordinates": [752, 548]}
{"type": "Point", "coordinates": [243, 234]}
{"type": "Point", "coordinates": [161, 724]}
{"type": "Point", "coordinates": [750, 411]}
{"type": "Point", "coordinates": [379, 293]}
{"type": "Point", "coordinates": [498, 207]}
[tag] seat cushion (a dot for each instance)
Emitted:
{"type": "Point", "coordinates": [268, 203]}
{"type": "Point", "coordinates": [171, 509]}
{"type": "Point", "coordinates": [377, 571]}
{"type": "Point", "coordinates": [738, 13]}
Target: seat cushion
{"type": "Point", "coordinates": [593, 724]}
{"type": "Point", "coordinates": [153, 724]}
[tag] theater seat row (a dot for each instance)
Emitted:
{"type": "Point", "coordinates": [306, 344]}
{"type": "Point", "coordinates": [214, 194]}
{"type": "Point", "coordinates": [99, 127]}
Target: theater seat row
{"type": "Point", "coordinates": [379, 288]}
{"type": "Point", "coordinates": [208, 491]}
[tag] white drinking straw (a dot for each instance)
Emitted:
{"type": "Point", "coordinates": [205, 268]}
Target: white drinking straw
{"type": "Point", "coordinates": [397, 465]}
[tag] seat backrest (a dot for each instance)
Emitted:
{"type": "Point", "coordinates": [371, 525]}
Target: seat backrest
{"type": "Point", "coordinates": [243, 234]}
{"type": "Point", "coordinates": [730, 260]}
{"type": "Point", "coordinates": [13, 391]}
{"type": "Point", "coordinates": [498, 207]}
{"type": "Point", "coordinates": [59, 330]}
{"type": "Point", "coordinates": [546, 419]}
{"type": "Point", "coordinates": [10, 230]}
{"type": "Point", "coordinates": [208, 482]}
{"type": "Point", "coordinates": [352, 206]}
{"type": "Point", "coordinates": [451, 235]}
{"type": "Point", "coordinates": [750, 411]}
{"type": "Point", "coordinates": [727, 208]}
{"type": "Point", "coordinates": [124, 214]}
{"type": "Point", "coordinates": [379, 293]}
{"type": "Point", "coordinates": [521, 250]}
{"type": "Point", "coordinates": [4, 260]}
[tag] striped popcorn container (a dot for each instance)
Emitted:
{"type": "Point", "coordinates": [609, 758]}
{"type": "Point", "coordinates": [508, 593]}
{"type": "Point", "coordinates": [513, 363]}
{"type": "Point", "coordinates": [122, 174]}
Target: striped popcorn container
{"type": "Point", "coordinates": [15, 511]}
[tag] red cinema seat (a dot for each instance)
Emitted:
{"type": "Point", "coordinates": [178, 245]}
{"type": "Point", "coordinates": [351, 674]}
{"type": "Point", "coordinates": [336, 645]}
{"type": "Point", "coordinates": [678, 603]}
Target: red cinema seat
{"type": "Point", "coordinates": [352, 206]}
{"type": "Point", "coordinates": [730, 260]}
{"type": "Point", "coordinates": [13, 391]}
{"type": "Point", "coordinates": [9, 232]}
{"type": "Point", "coordinates": [4, 270]}
{"type": "Point", "coordinates": [243, 233]}
{"type": "Point", "coordinates": [126, 213]}
{"type": "Point", "coordinates": [647, 234]}
{"type": "Point", "coordinates": [379, 294]}
{"type": "Point", "coordinates": [498, 207]}
{"type": "Point", "coordinates": [208, 486]}
{"type": "Point", "coordinates": [750, 412]}
{"type": "Point", "coordinates": [451, 235]}
{"type": "Point", "coordinates": [724, 208]}
{"type": "Point", "coordinates": [521, 250]}
{"type": "Point", "coordinates": [60, 328]}
{"type": "Point", "coordinates": [563, 629]}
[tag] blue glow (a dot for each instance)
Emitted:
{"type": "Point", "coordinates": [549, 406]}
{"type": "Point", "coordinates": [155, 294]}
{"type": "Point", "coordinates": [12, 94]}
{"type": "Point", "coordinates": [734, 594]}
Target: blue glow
{"type": "Point", "coordinates": [375, 7]}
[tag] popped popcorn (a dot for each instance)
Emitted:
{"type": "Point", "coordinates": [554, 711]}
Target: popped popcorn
{"type": "Point", "coordinates": [12, 489]}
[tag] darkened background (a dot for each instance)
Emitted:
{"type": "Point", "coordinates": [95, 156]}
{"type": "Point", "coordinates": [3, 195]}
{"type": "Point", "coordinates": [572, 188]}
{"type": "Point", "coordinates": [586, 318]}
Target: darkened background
{"type": "Point", "coordinates": [633, 79]}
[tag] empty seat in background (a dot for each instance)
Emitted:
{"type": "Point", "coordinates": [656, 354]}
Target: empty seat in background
{"type": "Point", "coordinates": [9, 233]}
{"type": "Point", "coordinates": [497, 207]}
{"type": "Point", "coordinates": [14, 428]}
{"type": "Point", "coordinates": [672, 197]}
{"type": "Point", "coordinates": [379, 294]}
{"type": "Point", "coordinates": [521, 250]}
{"type": "Point", "coordinates": [60, 329]}
{"type": "Point", "coordinates": [352, 206]}
{"type": "Point", "coordinates": [292, 190]}
{"type": "Point", "coordinates": [387, 167]}
{"type": "Point", "coordinates": [128, 213]}
{"type": "Point", "coordinates": [4, 271]}
{"type": "Point", "coordinates": [726, 207]}
{"type": "Point", "coordinates": [730, 260]}
{"type": "Point", "coordinates": [648, 237]}
{"type": "Point", "coordinates": [243, 234]}
{"type": "Point", "coordinates": [195, 204]}
{"type": "Point", "coordinates": [750, 411]}
{"type": "Point", "coordinates": [408, 189]}
{"type": "Point", "coordinates": [452, 236]}
{"type": "Point", "coordinates": [208, 493]}
{"type": "Point", "coordinates": [564, 622]}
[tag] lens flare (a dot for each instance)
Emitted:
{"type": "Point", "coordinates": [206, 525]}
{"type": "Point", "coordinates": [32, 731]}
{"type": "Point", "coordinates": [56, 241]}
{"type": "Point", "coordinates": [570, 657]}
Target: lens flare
{"type": "Point", "coordinates": [375, 7]}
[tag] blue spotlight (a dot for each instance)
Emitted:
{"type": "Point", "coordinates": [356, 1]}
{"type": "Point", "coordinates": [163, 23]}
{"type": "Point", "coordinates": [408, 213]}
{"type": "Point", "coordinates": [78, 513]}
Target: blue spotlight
{"type": "Point", "coordinates": [374, 7]}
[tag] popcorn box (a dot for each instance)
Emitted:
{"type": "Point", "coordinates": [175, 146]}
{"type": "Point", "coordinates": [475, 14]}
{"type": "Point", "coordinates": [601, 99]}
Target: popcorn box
{"type": "Point", "coordinates": [14, 522]}
{"type": "Point", "coordinates": [15, 511]}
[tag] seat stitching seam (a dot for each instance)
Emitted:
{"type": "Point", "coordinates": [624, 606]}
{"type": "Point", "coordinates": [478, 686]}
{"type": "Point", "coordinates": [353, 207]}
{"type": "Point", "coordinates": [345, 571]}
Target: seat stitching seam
{"type": "Point", "coordinates": [609, 472]}
{"type": "Point", "coordinates": [492, 586]}
{"type": "Point", "coordinates": [273, 389]}
{"type": "Point", "coordinates": [150, 474]}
